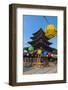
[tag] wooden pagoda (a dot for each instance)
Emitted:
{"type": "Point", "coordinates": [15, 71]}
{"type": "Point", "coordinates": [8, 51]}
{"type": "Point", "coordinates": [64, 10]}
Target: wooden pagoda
{"type": "Point", "coordinates": [39, 40]}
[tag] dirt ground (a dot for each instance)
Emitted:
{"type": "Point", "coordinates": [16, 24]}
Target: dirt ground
{"type": "Point", "coordinates": [51, 68]}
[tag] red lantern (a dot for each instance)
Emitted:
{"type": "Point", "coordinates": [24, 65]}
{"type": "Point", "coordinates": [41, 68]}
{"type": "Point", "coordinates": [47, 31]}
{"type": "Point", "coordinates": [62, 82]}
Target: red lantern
{"type": "Point", "coordinates": [49, 55]}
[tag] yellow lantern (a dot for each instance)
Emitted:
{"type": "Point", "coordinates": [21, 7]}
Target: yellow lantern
{"type": "Point", "coordinates": [39, 52]}
{"type": "Point", "coordinates": [50, 31]}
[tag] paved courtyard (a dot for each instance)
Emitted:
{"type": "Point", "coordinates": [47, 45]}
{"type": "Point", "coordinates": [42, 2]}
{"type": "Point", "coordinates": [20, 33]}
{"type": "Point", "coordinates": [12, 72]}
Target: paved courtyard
{"type": "Point", "coordinates": [51, 68]}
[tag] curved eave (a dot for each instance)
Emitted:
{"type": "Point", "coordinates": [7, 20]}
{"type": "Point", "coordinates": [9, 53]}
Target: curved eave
{"type": "Point", "coordinates": [34, 37]}
{"type": "Point", "coordinates": [39, 31]}
{"type": "Point", "coordinates": [39, 40]}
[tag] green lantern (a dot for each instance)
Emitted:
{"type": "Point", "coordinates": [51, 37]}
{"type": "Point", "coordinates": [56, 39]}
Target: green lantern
{"type": "Point", "coordinates": [31, 49]}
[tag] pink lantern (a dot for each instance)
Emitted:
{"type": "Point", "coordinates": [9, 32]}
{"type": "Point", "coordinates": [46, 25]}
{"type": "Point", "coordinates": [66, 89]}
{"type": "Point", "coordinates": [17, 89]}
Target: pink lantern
{"type": "Point", "coordinates": [52, 55]}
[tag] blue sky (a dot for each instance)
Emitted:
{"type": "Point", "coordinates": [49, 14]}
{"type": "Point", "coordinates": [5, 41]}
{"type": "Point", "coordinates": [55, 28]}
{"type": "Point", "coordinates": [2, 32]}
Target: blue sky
{"type": "Point", "coordinates": [33, 23]}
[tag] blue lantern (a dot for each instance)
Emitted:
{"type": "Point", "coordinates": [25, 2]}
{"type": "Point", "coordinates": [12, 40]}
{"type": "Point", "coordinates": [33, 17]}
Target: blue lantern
{"type": "Point", "coordinates": [44, 53]}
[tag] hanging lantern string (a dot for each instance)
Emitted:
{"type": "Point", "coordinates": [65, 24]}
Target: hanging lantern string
{"type": "Point", "coordinates": [26, 44]}
{"type": "Point", "coordinates": [46, 19]}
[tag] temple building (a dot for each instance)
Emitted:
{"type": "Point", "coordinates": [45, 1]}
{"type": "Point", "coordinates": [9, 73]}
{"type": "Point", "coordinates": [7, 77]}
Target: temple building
{"type": "Point", "coordinates": [40, 41]}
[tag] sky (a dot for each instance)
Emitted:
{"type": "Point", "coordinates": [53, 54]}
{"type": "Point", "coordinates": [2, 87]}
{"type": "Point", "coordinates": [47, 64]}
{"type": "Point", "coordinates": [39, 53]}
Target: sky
{"type": "Point", "coordinates": [32, 23]}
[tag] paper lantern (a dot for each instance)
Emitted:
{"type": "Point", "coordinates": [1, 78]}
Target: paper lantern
{"type": "Point", "coordinates": [50, 31]}
{"type": "Point", "coordinates": [30, 49]}
{"type": "Point", "coordinates": [39, 52]}
{"type": "Point", "coordinates": [49, 55]}
{"type": "Point", "coordinates": [44, 53]}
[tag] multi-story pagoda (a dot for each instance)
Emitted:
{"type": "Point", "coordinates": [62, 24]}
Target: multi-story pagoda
{"type": "Point", "coordinates": [39, 40]}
